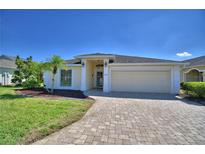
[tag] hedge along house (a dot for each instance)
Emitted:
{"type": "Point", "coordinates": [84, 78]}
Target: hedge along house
{"type": "Point", "coordinates": [111, 72]}
{"type": "Point", "coordinates": [194, 71]}
{"type": "Point", "coordinates": [7, 67]}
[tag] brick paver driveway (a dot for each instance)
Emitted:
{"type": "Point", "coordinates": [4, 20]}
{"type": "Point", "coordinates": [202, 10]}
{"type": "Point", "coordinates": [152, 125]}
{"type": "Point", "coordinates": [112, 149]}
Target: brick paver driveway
{"type": "Point", "coordinates": [138, 119]}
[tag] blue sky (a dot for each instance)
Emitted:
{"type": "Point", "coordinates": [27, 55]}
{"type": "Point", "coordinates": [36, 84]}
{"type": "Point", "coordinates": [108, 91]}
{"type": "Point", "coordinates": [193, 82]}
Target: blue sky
{"type": "Point", "coordinates": [149, 33]}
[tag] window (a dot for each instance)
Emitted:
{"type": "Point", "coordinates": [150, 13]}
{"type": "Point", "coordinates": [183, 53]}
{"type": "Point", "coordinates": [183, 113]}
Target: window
{"type": "Point", "coordinates": [66, 77]}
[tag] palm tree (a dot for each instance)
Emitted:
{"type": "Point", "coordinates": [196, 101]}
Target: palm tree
{"type": "Point", "coordinates": [53, 64]}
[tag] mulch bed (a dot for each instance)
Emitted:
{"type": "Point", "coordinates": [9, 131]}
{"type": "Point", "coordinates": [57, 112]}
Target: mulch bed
{"type": "Point", "coordinates": [57, 93]}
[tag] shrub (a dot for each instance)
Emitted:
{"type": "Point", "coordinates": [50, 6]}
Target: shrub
{"type": "Point", "coordinates": [32, 82]}
{"type": "Point", "coordinates": [194, 89]}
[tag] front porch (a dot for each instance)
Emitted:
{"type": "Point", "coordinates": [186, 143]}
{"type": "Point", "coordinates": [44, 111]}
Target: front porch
{"type": "Point", "coordinates": [94, 74]}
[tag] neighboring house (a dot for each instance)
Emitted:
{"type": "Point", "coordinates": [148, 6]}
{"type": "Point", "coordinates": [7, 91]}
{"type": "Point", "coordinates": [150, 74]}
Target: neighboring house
{"type": "Point", "coordinates": [111, 72]}
{"type": "Point", "coordinates": [195, 71]}
{"type": "Point", "coordinates": [7, 67]}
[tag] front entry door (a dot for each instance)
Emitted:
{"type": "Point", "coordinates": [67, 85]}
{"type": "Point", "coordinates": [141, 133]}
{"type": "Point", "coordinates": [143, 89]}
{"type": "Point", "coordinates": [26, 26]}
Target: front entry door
{"type": "Point", "coordinates": [99, 80]}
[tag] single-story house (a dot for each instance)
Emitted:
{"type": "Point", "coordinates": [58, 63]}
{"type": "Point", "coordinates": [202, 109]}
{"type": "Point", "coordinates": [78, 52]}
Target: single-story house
{"type": "Point", "coordinates": [111, 72]}
{"type": "Point", "coordinates": [7, 67]}
{"type": "Point", "coordinates": [195, 70]}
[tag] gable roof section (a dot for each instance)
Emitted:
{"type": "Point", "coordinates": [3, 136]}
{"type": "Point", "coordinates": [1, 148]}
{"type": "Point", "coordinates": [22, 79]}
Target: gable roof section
{"type": "Point", "coordinates": [198, 61]}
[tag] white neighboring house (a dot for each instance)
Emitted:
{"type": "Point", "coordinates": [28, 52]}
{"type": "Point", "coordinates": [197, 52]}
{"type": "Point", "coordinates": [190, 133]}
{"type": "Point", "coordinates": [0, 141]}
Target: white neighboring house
{"type": "Point", "coordinates": [7, 67]}
{"type": "Point", "coordinates": [111, 72]}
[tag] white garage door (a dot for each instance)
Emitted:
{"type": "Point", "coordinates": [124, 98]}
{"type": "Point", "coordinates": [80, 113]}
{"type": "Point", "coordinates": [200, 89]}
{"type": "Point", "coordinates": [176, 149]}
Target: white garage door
{"type": "Point", "coordinates": [141, 81]}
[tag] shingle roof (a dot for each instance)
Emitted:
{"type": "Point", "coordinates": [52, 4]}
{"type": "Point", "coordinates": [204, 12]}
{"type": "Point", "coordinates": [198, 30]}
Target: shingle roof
{"type": "Point", "coordinates": [7, 62]}
{"type": "Point", "coordinates": [125, 59]}
{"type": "Point", "coordinates": [198, 61]}
{"type": "Point", "coordinates": [73, 61]}
{"type": "Point", "coordinates": [134, 59]}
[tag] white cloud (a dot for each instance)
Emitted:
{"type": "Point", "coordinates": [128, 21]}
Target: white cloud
{"type": "Point", "coordinates": [183, 54]}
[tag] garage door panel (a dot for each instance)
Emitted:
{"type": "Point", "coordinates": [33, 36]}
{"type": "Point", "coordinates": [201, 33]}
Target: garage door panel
{"type": "Point", "coordinates": [141, 81]}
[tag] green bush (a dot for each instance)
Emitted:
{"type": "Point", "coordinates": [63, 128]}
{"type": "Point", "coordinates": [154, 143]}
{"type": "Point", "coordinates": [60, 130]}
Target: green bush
{"type": "Point", "coordinates": [194, 89]}
{"type": "Point", "coordinates": [32, 82]}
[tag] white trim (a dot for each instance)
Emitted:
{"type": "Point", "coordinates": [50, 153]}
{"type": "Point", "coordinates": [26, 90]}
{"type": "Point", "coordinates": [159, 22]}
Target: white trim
{"type": "Point", "coordinates": [106, 76]}
{"type": "Point", "coordinates": [109, 78]}
{"type": "Point", "coordinates": [195, 66]}
{"type": "Point", "coordinates": [154, 64]}
{"type": "Point", "coordinates": [172, 80]}
{"type": "Point", "coordinates": [147, 70]}
{"type": "Point", "coordinates": [74, 65]}
{"type": "Point", "coordinates": [5, 67]}
{"type": "Point", "coordinates": [83, 76]}
{"type": "Point", "coordinates": [175, 79]}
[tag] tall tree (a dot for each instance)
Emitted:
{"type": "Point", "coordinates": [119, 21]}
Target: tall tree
{"type": "Point", "coordinates": [53, 64]}
{"type": "Point", "coordinates": [18, 76]}
{"type": "Point", "coordinates": [28, 73]}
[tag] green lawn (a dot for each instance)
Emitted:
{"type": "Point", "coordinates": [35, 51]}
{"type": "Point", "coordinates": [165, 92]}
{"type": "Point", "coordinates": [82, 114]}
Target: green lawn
{"type": "Point", "coordinates": [23, 120]}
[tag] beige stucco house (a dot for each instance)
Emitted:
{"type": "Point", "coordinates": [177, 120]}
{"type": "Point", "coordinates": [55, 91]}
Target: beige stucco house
{"type": "Point", "coordinates": [111, 72]}
{"type": "Point", "coordinates": [194, 71]}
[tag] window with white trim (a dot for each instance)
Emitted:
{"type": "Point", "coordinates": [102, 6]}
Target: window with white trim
{"type": "Point", "coordinates": [66, 77]}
